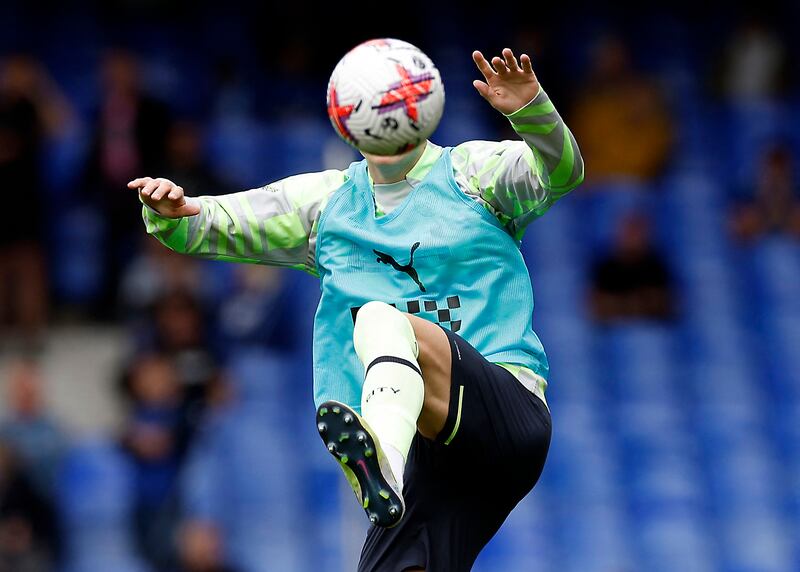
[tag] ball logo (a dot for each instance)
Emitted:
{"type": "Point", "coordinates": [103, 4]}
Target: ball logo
{"type": "Point", "coordinates": [408, 92]}
{"type": "Point", "coordinates": [339, 113]}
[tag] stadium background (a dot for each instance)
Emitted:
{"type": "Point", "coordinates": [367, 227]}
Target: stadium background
{"type": "Point", "coordinates": [157, 412]}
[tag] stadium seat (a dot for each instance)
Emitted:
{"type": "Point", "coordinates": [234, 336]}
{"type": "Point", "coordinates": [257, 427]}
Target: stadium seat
{"type": "Point", "coordinates": [95, 496]}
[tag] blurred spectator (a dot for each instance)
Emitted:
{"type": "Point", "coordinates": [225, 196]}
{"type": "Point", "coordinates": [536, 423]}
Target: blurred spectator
{"type": "Point", "coordinates": [155, 439]}
{"type": "Point", "coordinates": [201, 548]}
{"type": "Point", "coordinates": [30, 428]}
{"type": "Point", "coordinates": [180, 333]}
{"type": "Point", "coordinates": [31, 109]}
{"type": "Point", "coordinates": [129, 141]}
{"type": "Point", "coordinates": [230, 486]}
{"type": "Point", "coordinates": [632, 281]}
{"type": "Point", "coordinates": [620, 119]}
{"type": "Point", "coordinates": [258, 312]}
{"type": "Point", "coordinates": [773, 205]}
{"type": "Point", "coordinates": [28, 533]}
{"type": "Point", "coordinates": [755, 63]}
{"type": "Point", "coordinates": [155, 272]}
{"type": "Point", "coordinates": [185, 161]}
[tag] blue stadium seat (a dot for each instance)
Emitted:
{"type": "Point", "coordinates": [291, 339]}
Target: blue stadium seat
{"type": "Point", "coordinates": [95, 497]}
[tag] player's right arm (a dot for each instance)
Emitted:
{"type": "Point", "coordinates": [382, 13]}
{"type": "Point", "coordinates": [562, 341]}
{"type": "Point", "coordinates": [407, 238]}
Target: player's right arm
{"type": "Point", "coordinates": [275, 224]}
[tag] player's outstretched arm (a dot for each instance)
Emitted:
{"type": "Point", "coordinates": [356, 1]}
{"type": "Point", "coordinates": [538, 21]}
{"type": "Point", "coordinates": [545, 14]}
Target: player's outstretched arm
{"type": "Point", "coordinates": [275, 224]}
{"type": "Point", "coordinates": [519, 180]}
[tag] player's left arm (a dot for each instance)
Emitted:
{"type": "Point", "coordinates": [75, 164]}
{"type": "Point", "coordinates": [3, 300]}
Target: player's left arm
{"type": "Point", "coordinates": [519, 180]}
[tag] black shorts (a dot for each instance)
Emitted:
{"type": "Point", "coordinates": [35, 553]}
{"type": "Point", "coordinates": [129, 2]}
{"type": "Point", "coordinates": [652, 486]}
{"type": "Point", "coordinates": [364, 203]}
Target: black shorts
{"type": "Point", "coordinates": [460, 488]}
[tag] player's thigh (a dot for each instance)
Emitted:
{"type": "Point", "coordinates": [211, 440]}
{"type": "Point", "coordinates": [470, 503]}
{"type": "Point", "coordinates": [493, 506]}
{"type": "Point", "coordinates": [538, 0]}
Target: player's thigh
{"type": "Point", "coordinates": [496, 423]}
{"type": "Point", "coordinates": [435, 362]}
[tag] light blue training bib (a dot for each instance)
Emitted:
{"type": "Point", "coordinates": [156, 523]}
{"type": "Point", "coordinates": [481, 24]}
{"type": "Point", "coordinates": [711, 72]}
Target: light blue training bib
{"type": "Point", "coordinates": [439, 255]}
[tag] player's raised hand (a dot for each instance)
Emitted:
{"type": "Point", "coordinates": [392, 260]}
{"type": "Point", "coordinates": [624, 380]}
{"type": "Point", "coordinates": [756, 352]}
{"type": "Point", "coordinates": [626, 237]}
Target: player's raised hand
{"type": "Point", "coordinates": [509, 84]}
{"type": "Point", "coordinates": [165, 197]}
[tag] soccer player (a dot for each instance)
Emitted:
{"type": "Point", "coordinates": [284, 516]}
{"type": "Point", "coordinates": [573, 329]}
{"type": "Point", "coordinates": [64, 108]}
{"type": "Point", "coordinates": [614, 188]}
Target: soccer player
{"type": "Point", "coordinates": [429, 379]}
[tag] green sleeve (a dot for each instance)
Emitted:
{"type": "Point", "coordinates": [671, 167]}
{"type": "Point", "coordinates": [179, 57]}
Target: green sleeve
{"type": "Point", "coordinates": [275, 224]}
{"type": "Point", "coordinates": [519, 180]}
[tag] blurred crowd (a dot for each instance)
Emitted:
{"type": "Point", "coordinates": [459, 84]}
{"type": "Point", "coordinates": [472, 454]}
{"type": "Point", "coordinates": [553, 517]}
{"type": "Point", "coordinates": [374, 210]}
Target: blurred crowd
{"type": "Point", "coordinates": [179, 322]}
{"type": "Point", "coordinates": [184, 319]}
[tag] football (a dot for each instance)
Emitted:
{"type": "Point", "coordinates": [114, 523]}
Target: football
{"type": "Point", "coordinates": [385, 97]}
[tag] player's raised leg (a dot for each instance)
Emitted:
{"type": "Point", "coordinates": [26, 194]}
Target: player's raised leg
{"type": "Point", "coordinates": [435, 362]}
{"type": "Point", "coordinates": [396, 350]}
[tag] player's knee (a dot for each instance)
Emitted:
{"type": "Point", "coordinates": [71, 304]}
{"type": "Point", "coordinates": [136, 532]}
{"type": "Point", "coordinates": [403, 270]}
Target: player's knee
{"type": "Point", "coordinates": [381, 329]}
{"type": "Point", "coordinates": [374, 317]}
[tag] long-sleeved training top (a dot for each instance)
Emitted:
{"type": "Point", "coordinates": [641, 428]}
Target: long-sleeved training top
{"type": "Point", "coordinates": [516, 181]}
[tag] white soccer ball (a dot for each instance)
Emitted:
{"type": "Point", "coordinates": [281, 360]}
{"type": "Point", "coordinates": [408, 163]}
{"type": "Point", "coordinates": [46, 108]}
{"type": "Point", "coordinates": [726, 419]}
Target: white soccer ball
{"type": "Point", "coordinates": [385, 97]}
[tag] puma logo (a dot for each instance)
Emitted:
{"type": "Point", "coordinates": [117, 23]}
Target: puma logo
{"type": "Point", "coordinates": [409, 269]}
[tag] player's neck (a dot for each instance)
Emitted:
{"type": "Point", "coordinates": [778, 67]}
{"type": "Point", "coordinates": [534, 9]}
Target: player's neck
{"type": "Point", "coordinates": [395, 168]}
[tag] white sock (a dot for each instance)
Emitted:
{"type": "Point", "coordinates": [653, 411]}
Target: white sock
{"type": "Point", "coordinates": [397, 462]}
{"type": "Point", "coordinates": [393, 392]}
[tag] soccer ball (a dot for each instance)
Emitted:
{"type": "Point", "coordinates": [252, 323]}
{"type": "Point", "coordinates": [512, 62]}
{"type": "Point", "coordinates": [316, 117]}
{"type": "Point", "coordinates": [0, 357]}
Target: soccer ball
{"type": "Point", "coordinates": [385, 97]}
